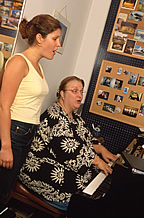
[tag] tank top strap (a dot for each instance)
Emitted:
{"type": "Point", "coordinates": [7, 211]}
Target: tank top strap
{"type": "Point", "coordinates": [27, 61]}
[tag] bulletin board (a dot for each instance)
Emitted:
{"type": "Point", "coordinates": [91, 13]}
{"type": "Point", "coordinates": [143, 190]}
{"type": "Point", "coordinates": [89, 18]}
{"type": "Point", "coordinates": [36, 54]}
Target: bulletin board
{"type": "Point", "coordinates": [117, 132]}
{"type": "Point", "coordinates": [119, 93]}
{"type": "Point", "coordinates": [11, 12]}
{"type": "Point", "coordinates": [127, 36]}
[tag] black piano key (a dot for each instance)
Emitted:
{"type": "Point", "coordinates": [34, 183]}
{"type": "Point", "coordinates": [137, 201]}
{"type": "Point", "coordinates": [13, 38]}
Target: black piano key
{"type": "Point", "coordinates": [103, 188]}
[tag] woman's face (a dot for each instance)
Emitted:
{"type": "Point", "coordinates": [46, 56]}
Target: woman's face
{"type": "Point", "coordinates": [50, 44]}
{"type": "Point", "coordinates": [73, 95]}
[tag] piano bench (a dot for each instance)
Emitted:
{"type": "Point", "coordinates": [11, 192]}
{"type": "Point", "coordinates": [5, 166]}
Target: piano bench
{"type": "Point", "coordinates": [21, 193]}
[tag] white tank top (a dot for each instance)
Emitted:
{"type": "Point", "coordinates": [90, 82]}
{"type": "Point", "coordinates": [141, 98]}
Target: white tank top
{"type": "Point", "coordinates": [30, 96]}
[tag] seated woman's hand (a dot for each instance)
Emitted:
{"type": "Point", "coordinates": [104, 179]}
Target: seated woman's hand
{"type": "Point", "coordinates": [107, 156]}
{"type": "Point", "coordinates": [102, 165]}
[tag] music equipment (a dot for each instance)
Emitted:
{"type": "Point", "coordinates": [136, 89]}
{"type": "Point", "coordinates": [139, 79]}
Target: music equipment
{"type": "Point", "coordinates": [117, 195]}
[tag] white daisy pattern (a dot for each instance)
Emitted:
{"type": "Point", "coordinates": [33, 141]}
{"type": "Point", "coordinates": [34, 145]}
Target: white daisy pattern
{"type": "Point", "coordinates": [69, 145]}
{"type": "Point", "coordinates": [37, 144]}
{"type": "Point", "coordinates": [57, 175]}
{"type": "Point", "coordinates": [32, 163]}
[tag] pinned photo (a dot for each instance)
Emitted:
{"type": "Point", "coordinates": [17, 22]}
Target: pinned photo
{"type": "Point", "coordinates": [133, 78]}
{"type": "Point", "coordinates": [141, 81]}
{"type": "Point", "coordinates": [128, 28]}
{"type": "Point", "coordinates": [141, 111]}
{"type": "Point", "coordinates": [8, 47]}
{"type": "Point", "coordinates": [129, 47]}
{"type": "Point", "coordinates": [4, 11]}
{"type": "Point", "coordinates": [103, 94]}
{"type": "Point", "coordinates": [125, 91]}
{"type": "Point", "coordinates": [118, 110]}
{"type": "Point", "coordinates": [109, 107]}
{"type": "Point", "coordinates": [122, 16]}
{"type": "Point", "coordinates": [125, 72]}
{"type": "Point", "coordinates": [119, 21]}
{"type": "Point", "coordinates": [139, 36]}
{"type": "Point", "coordinates": [4, 20]}
{"type": "Point", "coordinates": [118, 98]}
{"type": "Point", "coordinates": [99, 103]}
{"type": "Point", "coordinates": [118, 41]}
{"type": "Point", "coordinates": [108, 69]}
{"type": "Point", "coordinates": [119, 71]}
{"type": "Point", "coordinates": [116, 84]}
{"type": "Point", "coordinates": [130, 111]}
{"type": "Point", "coordinates": [135, 15]}
{"type": "Point", "coordinates": [138, 50]}
{"type": "Point", "coordinates": [105, 81]}
{"type": "Point", "coordinates": [140, 6]}
{"type": "Point", "coordinates": [12, 22]}
{"type": "Point", "coordinates": [8, 3]}
{"type": "Point", "coordinates": [17, 4]}
{"type": "Point", "coordinates": [135, 96]}
{"type": "Point", "coordinates": [129, 4]}
{"type": "Point", "coordinates": [15, 13]}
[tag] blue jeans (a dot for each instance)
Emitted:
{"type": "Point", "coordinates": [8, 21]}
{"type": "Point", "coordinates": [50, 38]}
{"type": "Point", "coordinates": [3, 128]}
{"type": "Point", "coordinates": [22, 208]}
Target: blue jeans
{"type": "Point", "coordinates": [21, 138]}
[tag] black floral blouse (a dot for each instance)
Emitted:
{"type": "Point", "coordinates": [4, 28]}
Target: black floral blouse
{"type": "Point", "coordinates": [60, 160]}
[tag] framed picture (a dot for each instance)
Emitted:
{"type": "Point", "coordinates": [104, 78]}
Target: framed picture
{"type": "Point", "coordinates": [65, 24]}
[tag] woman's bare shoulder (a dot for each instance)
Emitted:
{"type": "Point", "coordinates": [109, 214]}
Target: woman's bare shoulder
{"type": "Point", "coordinates": [17, 62]}
{"type": "Point", "coordinates": [17, 58]}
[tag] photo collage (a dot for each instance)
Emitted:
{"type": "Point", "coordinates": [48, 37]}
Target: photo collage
{"type": "Point", "coordinates": [128, 32]}
{"type": "Point", "coordinates": [119, 93]}
{"type": "Point", "coordinates": [11, 11]}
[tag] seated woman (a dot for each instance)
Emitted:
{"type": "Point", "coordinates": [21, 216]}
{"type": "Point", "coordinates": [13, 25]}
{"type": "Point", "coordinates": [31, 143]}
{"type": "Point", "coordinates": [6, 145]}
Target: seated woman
{"type": "Point", "coordinates": [64, 155]}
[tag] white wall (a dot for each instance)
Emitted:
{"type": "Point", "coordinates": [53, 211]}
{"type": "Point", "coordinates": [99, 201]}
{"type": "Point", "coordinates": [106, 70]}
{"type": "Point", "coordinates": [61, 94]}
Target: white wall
{"type": "Point", "coordinates": [87, 18]}
{"type": "Point", "coordinates": [91, 40]}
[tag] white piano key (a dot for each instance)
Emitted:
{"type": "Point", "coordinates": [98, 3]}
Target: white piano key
{"type": "Point", "coordinates": [95, 183]}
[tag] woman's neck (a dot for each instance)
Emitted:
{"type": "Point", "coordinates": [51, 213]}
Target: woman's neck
{"type": "Point", "coordinates": [34, 59]}
{"type": "Point", "coordinates": [32, 54]}
{"type": "Point", "coordinates": [61, 104]}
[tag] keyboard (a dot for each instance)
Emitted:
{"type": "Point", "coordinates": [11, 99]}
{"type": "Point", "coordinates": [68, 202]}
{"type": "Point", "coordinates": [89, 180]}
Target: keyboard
{"type": "Point", "coordinates": [100, 185]}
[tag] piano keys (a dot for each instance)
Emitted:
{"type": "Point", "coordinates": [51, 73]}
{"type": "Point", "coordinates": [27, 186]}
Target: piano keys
{"type": "Point", "coordinates": [100, 184]}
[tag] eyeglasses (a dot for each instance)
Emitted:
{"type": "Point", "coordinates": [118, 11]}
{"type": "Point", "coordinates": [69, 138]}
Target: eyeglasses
{"type": "Point", "coordinates": [75, 91]}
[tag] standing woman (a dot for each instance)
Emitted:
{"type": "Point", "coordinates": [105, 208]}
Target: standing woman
{"type": "Point", "coordinates": [22, 93]}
